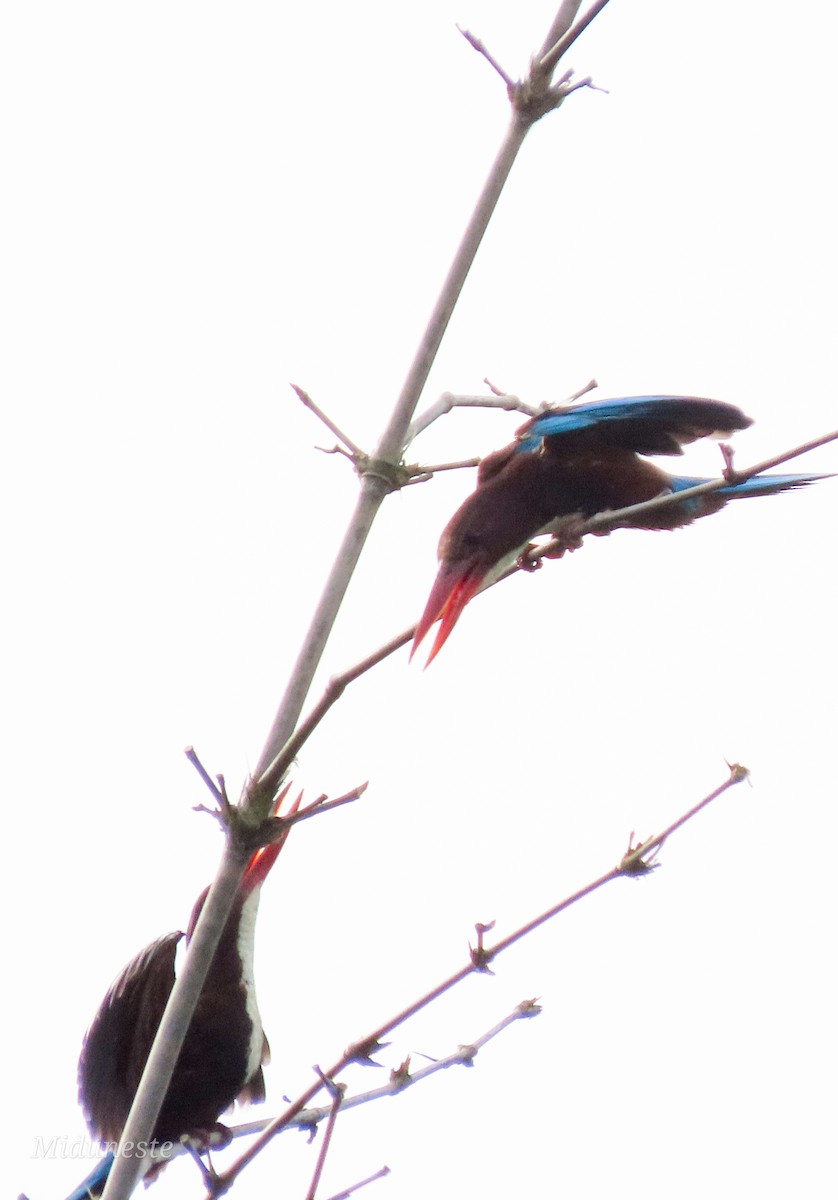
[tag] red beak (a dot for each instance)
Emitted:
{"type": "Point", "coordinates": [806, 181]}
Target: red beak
{"type": "Point", "coordinates": [453, 588]}
{"type": "Point", "coordinates": [265, 857]}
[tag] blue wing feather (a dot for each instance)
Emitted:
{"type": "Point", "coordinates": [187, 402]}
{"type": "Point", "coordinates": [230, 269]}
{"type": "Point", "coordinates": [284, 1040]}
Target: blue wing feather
{"type": "Point", "coordinates": [94, 1184]}
{"type": "Point", "coordinates": [757, 485]}
{"type": "Point", "coordinates": [643, 424]}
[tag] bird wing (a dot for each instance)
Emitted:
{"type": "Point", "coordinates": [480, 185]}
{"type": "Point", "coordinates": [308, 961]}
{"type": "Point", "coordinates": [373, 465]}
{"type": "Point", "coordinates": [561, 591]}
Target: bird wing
{"type": "Point", "coordinates": [116, 1045]}
{"type": "Point", "coordinates": [642, 424]}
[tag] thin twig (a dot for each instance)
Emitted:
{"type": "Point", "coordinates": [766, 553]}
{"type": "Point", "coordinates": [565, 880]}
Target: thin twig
{"type": "Point", "coordinates": [338, 1091]}
{"type": "Point", "coordinates": [317, 807]}
{"type": "Point", "coordinates": [551, 53]}
{"type": "Point", "coordinates": [637, 860]}
{"type": "Point", "coordinates": [327, 421]}
{"type": "Point", "coordinates": [218, 792]}
{"type": "Point", "coordinates": [426, 473]}
{"type": "Point", "coordinates": [633, 863]}
{"type": "Point", "coordinates": [332, 693]}
{"type": "Point", "coordinates": [338, 683]}
{"type": "Point", "coordinates": [448, 401]}
{"type": "Point", "coordinates": [477, 45]}
{"type": "Point", "coordinates": [508, 403]}
{"type": "Point", "coordinates": [399, 1080]}
{"type": "Point", "coordinates": [391, 444]}
{"type": "Point", "coordinates": [356, 1187]}
{"type": "Point", "coordinates": [615, 518]}
{"type": "Point", "coordinates": [389, 450]}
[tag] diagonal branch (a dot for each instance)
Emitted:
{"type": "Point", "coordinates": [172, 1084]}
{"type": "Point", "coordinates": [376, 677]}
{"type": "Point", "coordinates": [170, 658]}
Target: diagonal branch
{"type": "Point", "coordinates": [392, 441]}
{"type": "Point", "coordinates": [637, 861]}
{"type": "Point", "coordinates": [258, 793]}
{"type": "Point", "coordinates": [614, 519]}
{"type": "Point", "coordinates": [338, 683]}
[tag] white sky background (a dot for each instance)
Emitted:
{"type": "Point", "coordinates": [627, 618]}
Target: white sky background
{"type": "Point", "coordinates": [203, 202]}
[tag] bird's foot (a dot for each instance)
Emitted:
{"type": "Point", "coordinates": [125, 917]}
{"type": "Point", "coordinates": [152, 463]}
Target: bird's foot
{"type": "Point", "coordinates": [568, 534]}
{"type": "Point", "coordinates": [199, 1142]}
{"type": "Point", "coordinates": [207, 1137]}
{"type": "Point", "coordinates": [525, 562]}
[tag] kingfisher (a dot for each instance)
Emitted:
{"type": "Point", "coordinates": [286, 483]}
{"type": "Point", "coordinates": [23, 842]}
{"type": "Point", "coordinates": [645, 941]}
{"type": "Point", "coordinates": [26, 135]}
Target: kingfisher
{"type": "Point", "coordinates": [568, 464]}
{"type": "Point", "coordinates": [225, 1047]}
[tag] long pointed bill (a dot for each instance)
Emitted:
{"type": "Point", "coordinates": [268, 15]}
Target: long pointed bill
{"type": "Point", "coordinates": [265, 857]}
{"type": "Point", "coordinates": [452, 590]}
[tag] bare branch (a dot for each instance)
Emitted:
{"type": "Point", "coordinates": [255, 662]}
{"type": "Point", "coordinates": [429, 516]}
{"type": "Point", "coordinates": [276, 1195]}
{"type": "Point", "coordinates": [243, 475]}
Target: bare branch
{"type": "Point", "coordinates": [509, 403]}
{"type": "Point", "coordinates": [557, 46]}
{"type": "Point", "coordinates": [399, 1080]}
{"type": "Point", "coordinates": [388, 451]}
{"type": "Point", "coordinates": [635, 862]}
{"type": "Point", "coordinates": [338, 1091]}
{"type": "Point", "coordinates": [448, 401]}
{"type": "Point", "coordinates": [327, 421]}
{"type": "Point", "coordinates": [621, 516]}
{"type": "Point", "coordinates": [332, 693]}
{"type": "Point", "coordinates": [477, 45]}
{"type": "Point", "coordinates": [425, 473]}
{"type": "Point", "coordinates": [311, 1118]}
{"type": "Point", "coordinates": [571, 538]}
{"type": "Point", "coordinates": [779, 459]}
{"type": "Point", "coordinates": [219, 793]}
{"type": "Point", "coordinates": [356, 1187]}
{"type": "Point", "coordinates": [638, 859]}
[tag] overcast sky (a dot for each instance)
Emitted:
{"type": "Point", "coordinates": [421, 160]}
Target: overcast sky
{"type": "Point", "coordinates": [203, 202]}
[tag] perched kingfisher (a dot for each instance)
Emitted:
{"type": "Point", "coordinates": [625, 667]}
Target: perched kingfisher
{"type": "Point", "coordinates": [225, 1047]}
{"type": "Point", "coordinates": [568, 464]}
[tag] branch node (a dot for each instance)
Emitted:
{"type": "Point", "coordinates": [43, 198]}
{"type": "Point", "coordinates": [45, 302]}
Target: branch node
{"type": "Point", "coordinates": [217, 789]}
{"type": "Point", "coordinates": [637, 860]}
{"type": "Point", "coordinates": [466, 1055]}
{"type": "Point", "coordinates": [362, 1052]}
{"type": "Point", "coordinates": [738, 773]}
{"type": "Point", "coordinates": [400, 1076]}
{"type": "Point", "coordinates": [528, 1008]}
{"type": "Point", "coordinates": [481, 955]}
{"type": "Point", "coordinates": [335, 1088]}
{"type": "Point", "coordinates": [328, 422]}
